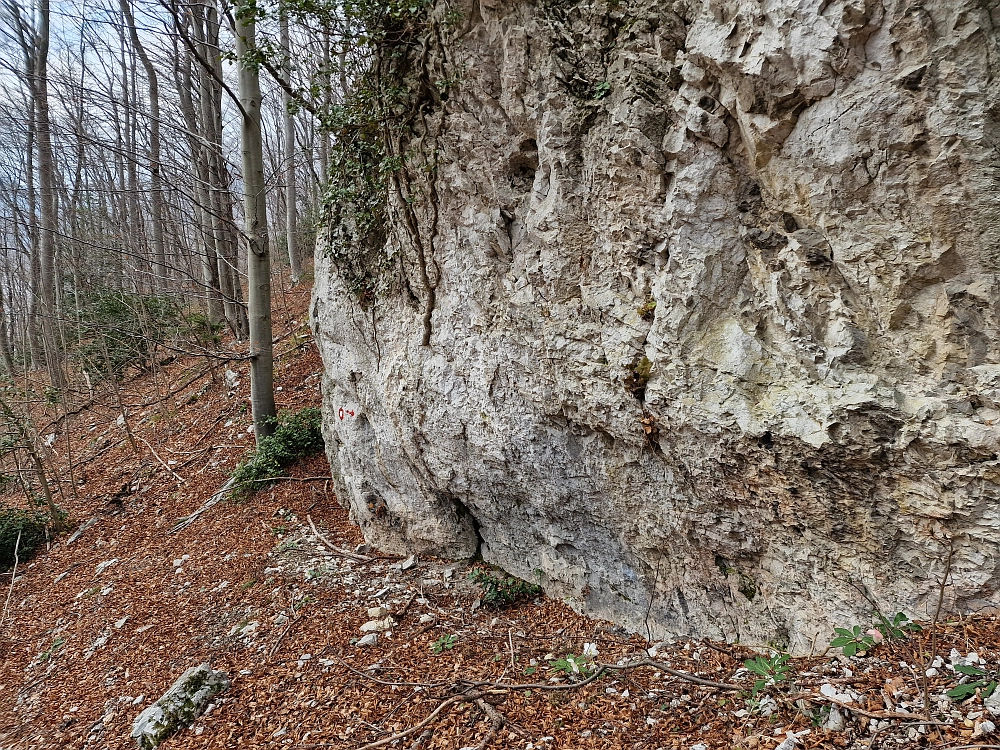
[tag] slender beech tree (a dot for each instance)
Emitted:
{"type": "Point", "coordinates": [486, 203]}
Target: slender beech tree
{"type": "Point", "coordinates": [34, 41]}
{"type": "Point", "coordinates": [255, 214]}
{"type": "Point", "coordinates": [155, 179]}
{"type": "Point", "coordinates": [288, 123]}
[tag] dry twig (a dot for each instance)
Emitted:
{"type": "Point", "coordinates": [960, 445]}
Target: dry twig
{"type": "Point", "coordinates": [417, 727]}
{"type": "Point", "coordinates": [152, 450]}
{"type": "Point", "coordinates": [13, 575]}
{"type": "Point", "coordinates": [333, 547]}
{"type": "Point", "coordinates": [879, 715]}
{"type": "Point", "coordinates": [497, 721]}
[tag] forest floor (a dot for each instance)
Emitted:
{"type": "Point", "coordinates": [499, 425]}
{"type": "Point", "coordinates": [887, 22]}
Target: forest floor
{"type": "Point", "coordinates": [98, 628]}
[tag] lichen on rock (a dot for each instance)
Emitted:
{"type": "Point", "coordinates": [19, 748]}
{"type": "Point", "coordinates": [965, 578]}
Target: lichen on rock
{"type": "Point", "coordinates": [185, 701]}
{"type": "Point", "coordinates": [690, 282]}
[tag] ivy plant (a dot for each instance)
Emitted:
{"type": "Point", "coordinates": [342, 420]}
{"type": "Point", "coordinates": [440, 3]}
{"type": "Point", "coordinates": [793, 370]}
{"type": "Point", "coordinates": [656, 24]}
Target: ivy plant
{"type": "Point", "coordinates": [983, 681]}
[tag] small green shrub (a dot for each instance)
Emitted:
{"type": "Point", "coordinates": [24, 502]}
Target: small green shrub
{"type": "Point", "coordinates": [31, 526]}
{"type": "Point", "coordinates": [444, 643]}
{"type": "Point", "coordinates": [898, 628]}
{"type": "Point", "coordinates": [583, 665]}
{"type": "Point", "coordinates": [638, 376]}
{"type": "Point", "coordinates": [501, 590]}
{"type": "Point", "coordinates": [296, 435]}
{"type": "Point", "coordinates": [770, 670]}
{"type": "Point", "coordinates": [119, 330]}
{"type": "Point", "coordinates": [197, 326]}
{"type": "Point", "coordinates": [854, 640]}
{"type": "Point", "coordinates": [648, 309]}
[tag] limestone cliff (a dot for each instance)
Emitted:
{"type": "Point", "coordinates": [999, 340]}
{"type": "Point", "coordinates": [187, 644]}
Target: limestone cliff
{"type": "Point", "coordinates": [694, 314]}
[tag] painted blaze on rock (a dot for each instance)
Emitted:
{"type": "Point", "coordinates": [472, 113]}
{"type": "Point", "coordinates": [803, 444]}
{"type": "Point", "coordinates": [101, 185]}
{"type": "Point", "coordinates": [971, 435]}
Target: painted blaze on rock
{"type": "Point", "coordinates": [184, 702]}
{"type": "Point", "coordinates": [714, 343]}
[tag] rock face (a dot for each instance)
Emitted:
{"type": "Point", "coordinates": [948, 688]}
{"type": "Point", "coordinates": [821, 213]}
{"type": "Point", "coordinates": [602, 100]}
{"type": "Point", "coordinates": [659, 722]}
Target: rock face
{"type": "Point", "coordinates": [713, 344]}
{"type": "Point", "coordinates": [184, 702]}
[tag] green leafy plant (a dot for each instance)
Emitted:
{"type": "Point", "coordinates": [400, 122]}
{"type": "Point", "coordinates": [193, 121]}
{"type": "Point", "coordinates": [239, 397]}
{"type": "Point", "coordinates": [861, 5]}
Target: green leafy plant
{"type": "Point", "coordinates": [571, 665]}
{"type": "Point", "coordinates": [501, 590]}
{"type": "Point", "coordinates": [601, 90]}
{"type": "Point", "coordinates": [647, 310]}
{"type": "Point", "coordinates": [899, 627]}
{"type": "Point", "coordinates": [854, 640]}
{"type": "Point", "coordinates": [56, 645]}
{"type": "Point", "coordinates": [371, 127]}
{"type": "Point", "coordinates": [638, 376]}
{"type": "Point", "coordinates": [985, 683]}
{"type": "Point", "coordinates": [295, 436]}
{"type": "Point", "coordinates": [585, 665]}
{"type": "Point", "coordinates": [769, 671]}
{"type": "Point", "coordinates": [29, 524]}
{"type": "Point", "coordinates": [197, 326]}
{"type": "Point", "coordinates": [444, 643]}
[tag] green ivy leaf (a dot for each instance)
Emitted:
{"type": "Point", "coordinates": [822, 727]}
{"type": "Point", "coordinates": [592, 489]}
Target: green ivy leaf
{"type": "Point", "coordinates": [971, 671]}
{"type": "Point", "coordinates": [963, 691]}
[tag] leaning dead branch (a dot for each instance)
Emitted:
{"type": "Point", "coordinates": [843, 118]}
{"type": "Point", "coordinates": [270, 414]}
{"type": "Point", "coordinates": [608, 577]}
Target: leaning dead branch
{"type": "Point", "coordinates": [186, 521]}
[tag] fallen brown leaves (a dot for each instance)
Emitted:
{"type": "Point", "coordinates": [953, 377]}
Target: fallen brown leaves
{"type": "Point", "coordinates": [274, 592]}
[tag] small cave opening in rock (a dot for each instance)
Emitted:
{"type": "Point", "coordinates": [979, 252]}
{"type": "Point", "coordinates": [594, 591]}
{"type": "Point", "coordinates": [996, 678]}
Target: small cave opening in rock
{"type": "Point", "coordinates": [463, 511]}
{"type": "Point", "coordinates": [523, 166]}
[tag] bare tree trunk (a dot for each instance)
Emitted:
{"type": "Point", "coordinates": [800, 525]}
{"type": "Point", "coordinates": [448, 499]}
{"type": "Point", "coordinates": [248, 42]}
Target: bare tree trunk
{"type": "Point", "coordinates": [324, 142]}
{"type": "Point", "coordinates": [155, 179]}
{"type": "Point", "coordinates": [226, 233]}
{"type": "Point", "coordinates": [47, 195]}
{"type": "Point", "coordinates": [289, 133]}
{"type": "Point", "coordinates": [133, 229]}
{"type": "Point", "coordinates": [258, 259]}
{"type": "Point", "coordinates": [34, 323]}
{"type": "Point", "coordinates": [202, 27]}
{"type": "Point", "coordinates": [6, 351]}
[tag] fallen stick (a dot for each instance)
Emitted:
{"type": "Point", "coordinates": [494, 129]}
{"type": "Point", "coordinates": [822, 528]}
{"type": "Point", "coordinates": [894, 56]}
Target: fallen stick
{"type": "Point", "coordinates": [412, 730]}
{"type": "Point", "coordinates": [604, 668]}
{"type": "Point", "coordinates": [152, 450]}
{"type": "Point", "coordinates": [398, 614]}
{"type": "Point", "coordinates": [288, 479]}
{"type": "Point", "coordinates": [281, 637]}
{"type": "Point", "coordinates": [880, 715]}
{"type": "Point", "coordinates": [497, 721]}
{"type": "Point", "coordinates": [333, 547]}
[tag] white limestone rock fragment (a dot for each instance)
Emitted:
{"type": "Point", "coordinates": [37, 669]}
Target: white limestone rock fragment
{"type": "Point", "coordinates": [184, 702]}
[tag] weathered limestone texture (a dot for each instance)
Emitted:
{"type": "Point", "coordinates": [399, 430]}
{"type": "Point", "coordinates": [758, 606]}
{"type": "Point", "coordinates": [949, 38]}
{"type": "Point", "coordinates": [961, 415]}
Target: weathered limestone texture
{"type": "Point", "coordinates": [185, 701]}
{"type": "Point", "coordinates": [714, 344]}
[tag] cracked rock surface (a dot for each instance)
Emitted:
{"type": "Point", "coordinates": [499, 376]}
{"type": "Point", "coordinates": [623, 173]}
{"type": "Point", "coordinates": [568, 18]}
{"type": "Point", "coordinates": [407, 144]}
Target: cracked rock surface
{"type": "Point", "coordinates": [713, 345]}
